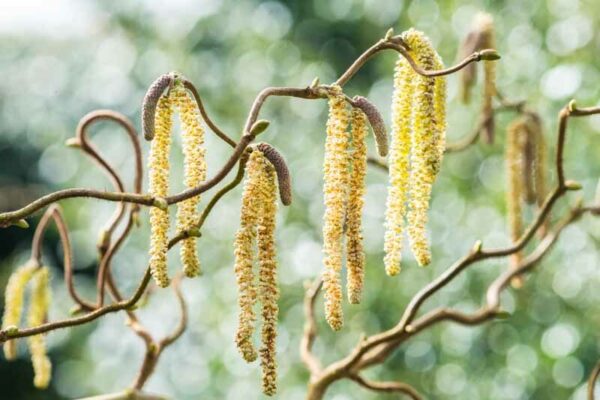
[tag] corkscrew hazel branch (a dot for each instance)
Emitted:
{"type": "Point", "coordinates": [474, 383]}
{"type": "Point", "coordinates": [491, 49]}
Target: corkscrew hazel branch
{"type": "Point", "coordinates": [54, 213]}
{"type": "Point", "coordinates": [15, 217]}
{"type": "Point", "coordinates": [592, 381]}
{"type": "Point", "coordinates": [9, 218]}
{"type": "Point", "coordinates": [192, 89]}
{"type": "Point", "coordinates": [106, 249]}
{"type": "Point", "coordinates": [387, 387]}
{"type": "Point", "coordinates": [131, 302]}
{"type": "Point", "coordinates": [377, 348]}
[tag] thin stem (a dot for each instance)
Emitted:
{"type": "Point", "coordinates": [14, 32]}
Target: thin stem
{"type": "Point", "coordinates": [310, 328]}
{"type": "Point", "coordinates": [387, 387]}
{"type": "Point", "coordinates": [190, 86]}
{"type": "Point", "coordinates": [592, 381]}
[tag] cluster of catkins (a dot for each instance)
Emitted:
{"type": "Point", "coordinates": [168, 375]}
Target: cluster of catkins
{"type": "Point", "coordinates": [39, 301]}
{"type": "Point", "coordinates": [526, 174]}
{"type": "Point", "coordinates": [257, 230]}
{"type": "Point", "coordinates": [482, 36]}
{"type": "Point", "coordinates": [415, 155]}
{"type": "Point", "coordinates": [166, 95]}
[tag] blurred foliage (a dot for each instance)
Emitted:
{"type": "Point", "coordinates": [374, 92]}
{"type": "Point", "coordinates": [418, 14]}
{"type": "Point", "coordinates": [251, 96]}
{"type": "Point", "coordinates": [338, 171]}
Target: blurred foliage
{"type": "Point", "coordinates": [62, 59]}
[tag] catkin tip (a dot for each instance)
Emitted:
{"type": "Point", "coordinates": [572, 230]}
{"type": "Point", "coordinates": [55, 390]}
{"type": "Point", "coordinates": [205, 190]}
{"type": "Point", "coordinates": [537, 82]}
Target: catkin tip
{"type": "Point", "coordinates": [376, 122]}
{"type": "Point", "coordinates": [283, 173]}
{"type": "Point", "coordinates": [150, 102]}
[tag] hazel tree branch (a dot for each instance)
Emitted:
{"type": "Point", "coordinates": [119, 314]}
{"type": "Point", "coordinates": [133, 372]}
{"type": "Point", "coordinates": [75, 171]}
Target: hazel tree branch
{"type": "Point", "coordinates": [310, 328]}
{"type": "Point", "coordinates": [376, 348]}
{"type": "Point", "coordinates": [592, 382]}
{"type": "Point", "coordinates": [387, 387]}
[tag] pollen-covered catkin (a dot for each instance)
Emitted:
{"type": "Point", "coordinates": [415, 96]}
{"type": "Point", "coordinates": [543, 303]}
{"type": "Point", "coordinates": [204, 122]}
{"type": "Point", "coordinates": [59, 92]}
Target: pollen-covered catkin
{"type": "Point", "coordinates": [158, 164]}
{"type": "Point", "coordinates": [13, 303]}
{"type": "Point", "coordinates": [355, 259]}
{"type": "Point", "coordinates": [38, 309]}
{"type": "Point", "coordinates": [192, 135]}
{"type": "Point", "coordinates": [399, 164]}
{"type": "Point", "coordinates": [244, 244]}
{"type": "Point", "coordinates": [268, 288]}
{"type": "Point", "coordinates": [336, 176]}
{"type": "Point", "coordinates": [428, 131]}
{"type": "Point", "coordinates": [514, 164]}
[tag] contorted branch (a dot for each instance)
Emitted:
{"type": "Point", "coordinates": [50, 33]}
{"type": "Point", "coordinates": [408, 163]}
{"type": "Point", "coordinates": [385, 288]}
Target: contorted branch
{"type": "Point", "coordinates": [377, 348]}
{"type": "Point", "coordinates": [318, 92]}
{"type": "Point", "coordinates": [239, 154]}
{"type": "Point", "coordinates": [592, 381]}
{"type": "Point", "coordinates": [387, 387]}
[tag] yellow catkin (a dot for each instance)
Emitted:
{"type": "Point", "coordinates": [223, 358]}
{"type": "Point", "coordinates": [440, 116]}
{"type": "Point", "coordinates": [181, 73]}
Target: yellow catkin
{"type": "Point", "coordinates": [399, 164]}
{"type": "Point", "coordinates": [268, 288]}
{"type": "Point", "coordinates": [38, 309]}
{"type": "Point", "coordinates": [158, 164]}
{"type": "Point", "coordinates": [13, 303]}
{"type": "Point", "coordinates": [195, 173]}
{"type": "Point", "coordinates": [355, 259]}
{"type": "Point", "coordinates": [336, 176]}
{"type": "Point", "coordinates": [243, 251]}
{"type": "Point", "coordinates": [428, 130]}
{"type": "Point", "coordinates": [514, 193]}
{"type": "Point", "coordinates": [485, 25]}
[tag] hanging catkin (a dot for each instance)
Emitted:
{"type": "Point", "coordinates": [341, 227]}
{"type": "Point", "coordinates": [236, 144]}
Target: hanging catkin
{"type": "Point", "coordinates": [13, 303]}
{"type": "Point", "coordinates": [158, 164]}
{"type": "Point", "coordinates": [427, 144]}
{"type": "Point", "coordinates": [268, 288]}
{"type": "Point", "coordinates": [336, 177]}
{"type": "Point", "coordinates": [355, 259]}
{"type": "Point", "coordinates": [516, 136]}
{"type": "Point", "coordinates": [399, 164]}
{"type": "Point", "coordinates": [192, 135]}
{"type": "Point", "coordinates": [257, 226]}
{"type": "Point", "coordinates": [243, 251]}
{"type": "Point", "coordinates": [38, 309]}
{"type": "Point", "coordinates": [418, 141]}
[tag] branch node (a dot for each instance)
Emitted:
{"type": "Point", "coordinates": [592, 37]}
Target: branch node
{"type": "Point", "coordinates": [573, 185]}
{"type": "Point", "coordinates": [161, 203]}
{"type": "Point", "coordinates": [477, 247]}
{"type": "Point", "coordinates": [572, 106]}
{"type": "Point", "coordinates": [73, 142]}
{"type": "Point", "coordinates": [259, 127]}
{"type": "Point", "coordinates": [488, 55]}
{"type": "Point", "coordinates": [316, 82]}
{"type": "Point", "coordinates": [11, 331]}
{"type": "Point", "coordinates": [75, 310]}
{"type": "Point", "coordinates": [21, 224]}
{"type": "Point", "coordinates": [389, 34]}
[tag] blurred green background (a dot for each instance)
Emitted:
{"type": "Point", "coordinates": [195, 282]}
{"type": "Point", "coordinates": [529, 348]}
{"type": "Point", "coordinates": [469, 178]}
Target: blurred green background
{"type": "Point", "coordinates": [64, 58]}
